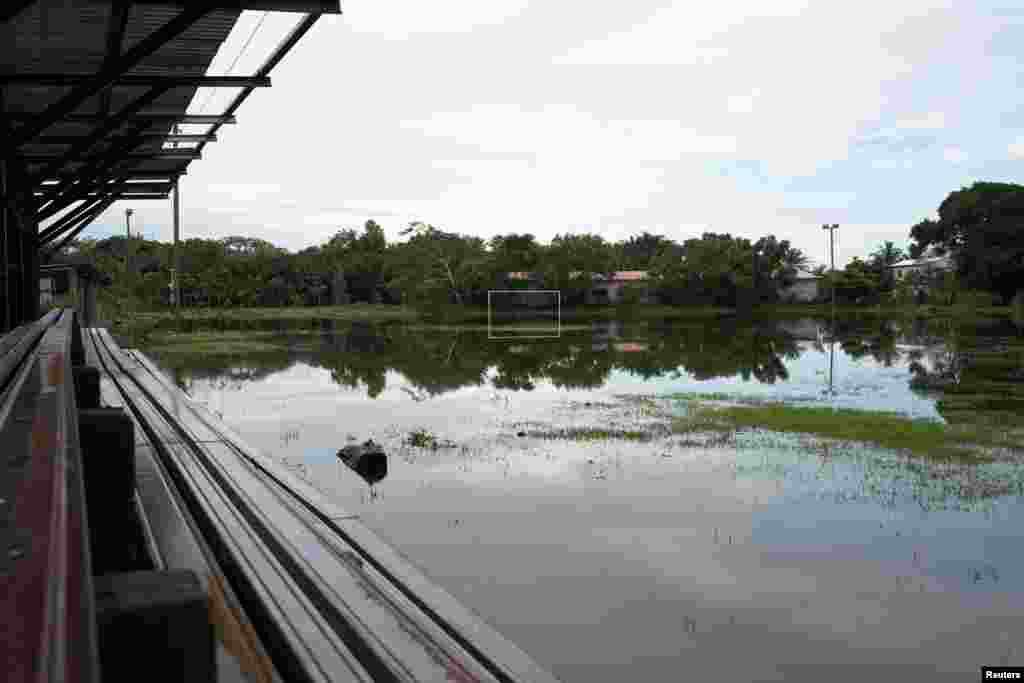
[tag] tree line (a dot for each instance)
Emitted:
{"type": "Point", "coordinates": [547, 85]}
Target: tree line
{"type": "Point", "coordinates": [981, 227]}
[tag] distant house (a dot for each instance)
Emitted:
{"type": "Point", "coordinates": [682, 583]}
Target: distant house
{"type": "Point", "coordinates": [525, 281]}
{"type": "Point", "coordinates": [608, 289]}
{"type": "Point", "coordinates": [806, 288]}
{"type": "Point", "coordinates": [928, 264]}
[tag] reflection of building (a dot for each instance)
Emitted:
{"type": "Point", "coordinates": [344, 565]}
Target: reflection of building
{"type": "Point", "coordinates": [805, 329]}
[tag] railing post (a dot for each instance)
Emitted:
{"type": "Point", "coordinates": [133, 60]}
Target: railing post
{"type": "Point", "coordinates": [161, 618]}
{"type": "Point", "coordinates": [107, 438]}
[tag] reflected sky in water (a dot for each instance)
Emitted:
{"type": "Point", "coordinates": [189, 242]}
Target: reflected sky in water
{"type": "Point", "coordinates": [767, 557]}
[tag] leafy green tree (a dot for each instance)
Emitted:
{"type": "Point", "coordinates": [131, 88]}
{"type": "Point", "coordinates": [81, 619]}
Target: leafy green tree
{"type": "Point", "coordinates": [880, 260]}
{"type": "Point", "coordinates": [857, 283]}
{"type": "Point", "coordinates": [715, 269]}
{"type": "Point", "coordinates": [571, 261]}
{"type": "Point", "coordinates": [639, 252]}
{"type": "Point", "coordinates": [434, 267]}
{"type": "Point", "coordinates": [982, 226]}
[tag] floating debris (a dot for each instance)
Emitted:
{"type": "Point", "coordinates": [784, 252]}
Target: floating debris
{"type": "Point", "coordinates": [368, 460]}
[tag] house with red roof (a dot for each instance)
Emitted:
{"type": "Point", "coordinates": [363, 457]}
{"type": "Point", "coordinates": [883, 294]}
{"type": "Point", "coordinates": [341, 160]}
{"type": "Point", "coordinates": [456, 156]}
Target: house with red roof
{"type": "Point", "coordinates": [609, 289]}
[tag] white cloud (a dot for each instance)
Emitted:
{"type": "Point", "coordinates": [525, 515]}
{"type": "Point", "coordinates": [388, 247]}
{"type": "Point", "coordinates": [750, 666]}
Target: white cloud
{"type": "Point", "coordinates": [1016, 149]}
{"type": "Point", "coordinates": [677, 35]}
{"type": "Point", "coordinates": [743, 104]}
{"type": "Point", "coordinates": [399, 19]}
{"type": "Point", "coordinates": [494, 116]}
{"type": "Point", "coordinates": [934, 120]}
{"type": "Point", "coordinates": [244, 190]}
{"type": "Point", "coordinates": [954, 155]}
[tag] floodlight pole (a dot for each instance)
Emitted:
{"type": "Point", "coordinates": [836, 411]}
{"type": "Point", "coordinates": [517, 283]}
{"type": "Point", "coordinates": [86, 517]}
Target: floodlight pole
{"type": "Point", "coordinates": [176, 273]}
{"type": "Point", "coordinates": [176, 251]}
{"type": "Point", "coordinates": [128, 242]}
{"type": "Point", "coordinates": [832, 333]}
{"type": "Point", "coordinates": [832, 251]}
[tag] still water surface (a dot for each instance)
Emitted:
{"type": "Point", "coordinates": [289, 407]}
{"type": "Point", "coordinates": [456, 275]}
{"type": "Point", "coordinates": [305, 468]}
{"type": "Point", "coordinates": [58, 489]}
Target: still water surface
{"type": "Point", "coordinates": [767, 558]}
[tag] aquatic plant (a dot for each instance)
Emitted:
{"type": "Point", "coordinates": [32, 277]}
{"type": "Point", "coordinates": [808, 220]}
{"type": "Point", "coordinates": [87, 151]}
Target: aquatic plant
{"type": "Point", "coordinates": [422, 438]}
{"type": "Point", "coordinates": [598, 434]}
{"type": "Point", "coordinates": [890, 430]}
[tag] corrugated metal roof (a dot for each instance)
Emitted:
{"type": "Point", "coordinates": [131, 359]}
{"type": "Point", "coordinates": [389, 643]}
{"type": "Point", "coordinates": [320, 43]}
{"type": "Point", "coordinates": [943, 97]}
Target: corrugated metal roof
{"type": "Point", "coordinates": [910, 263]}
{"type": "Point", "coordinates": [69, 37]}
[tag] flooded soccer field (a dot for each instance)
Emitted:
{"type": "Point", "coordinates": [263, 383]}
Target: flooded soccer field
{"type": "Point", "coordinates": [566, 490]}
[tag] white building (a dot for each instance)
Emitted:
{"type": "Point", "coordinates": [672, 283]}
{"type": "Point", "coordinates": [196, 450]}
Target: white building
{"type": "Point", "coordinates": [926, 264]}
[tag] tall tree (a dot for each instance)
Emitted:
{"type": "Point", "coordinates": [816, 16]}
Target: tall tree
{"type": "Point", "coordinates": [982, 226]}
{"type": "Point", "coordinates": [572, 260]}
{"type": "Point", "coordinates": [880, 260]}
{"type": "Point", "coordinates": [434, 266]}
{"type": "Point", "coordinates": [640, 251]}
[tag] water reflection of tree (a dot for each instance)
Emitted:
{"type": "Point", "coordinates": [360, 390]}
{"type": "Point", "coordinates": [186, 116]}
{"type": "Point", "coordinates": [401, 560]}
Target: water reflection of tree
{"type": "Point", "coordinates": [879, 343]}
{"type": "Point", "coordinates": [431, 362]}
{"type": "Point", "coordinates": [222, 372]}
{"type": "Point", "coordinates": [435, 361]}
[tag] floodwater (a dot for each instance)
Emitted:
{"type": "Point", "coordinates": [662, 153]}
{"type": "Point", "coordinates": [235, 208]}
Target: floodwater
{"type": "Point", "coordinates": [655, 557]}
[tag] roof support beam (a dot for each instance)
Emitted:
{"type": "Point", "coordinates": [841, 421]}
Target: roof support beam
{"type": "Point", "coordinates": [69, 218]}
{"type": "Point", "coordinates": [148, 137]}
{"type": "Point", "coordinates": [156, 155]}
{"type": "Point", "coordinates": [69, 80]}
{"type": "Point", "coordinates": [96, 167]}
{"type": "Point", "coordinates": [105, 77]}
{"type": "Point", "coordinates": [156, 118]}
{"type": "Point", "coordinates": [82, 191]}
{"type": "Point", "coordinates": [14, 9]}
{"type": "Point", "coordinates": [137, 188]}
{"type": "Point", "coordinates": [116, 27]}
{"type": "Point", "coordinates": [82, 224]}
{"type": "Point", "coordinates": [305, 6]}
{"type": "Point", "coordinates": [76, 194]}
{"type": "Point", "coordinates": [286, 44]}
{"type": "Point", "coordinates": [109, 125]}
{"type": "Point", "coordinates": [135, 175]}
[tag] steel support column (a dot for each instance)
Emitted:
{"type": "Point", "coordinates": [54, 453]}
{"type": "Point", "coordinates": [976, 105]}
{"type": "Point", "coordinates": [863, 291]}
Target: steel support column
{"type": "Point", "coordinates": [6, 314]}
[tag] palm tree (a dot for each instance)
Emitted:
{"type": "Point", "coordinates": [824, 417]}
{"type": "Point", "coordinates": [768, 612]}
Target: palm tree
{"type": "Point", "coordinates": [887, 254]}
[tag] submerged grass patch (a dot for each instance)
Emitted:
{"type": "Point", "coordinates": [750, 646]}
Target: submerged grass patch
{"type": "Point", "coordinates": [594, 434]}
{"type": "Point", "coordinates": [889, 430]}
{"type": "Point", "coordinates": [227, 342]}
{"type": "Point", "coordinates": [422, 438]}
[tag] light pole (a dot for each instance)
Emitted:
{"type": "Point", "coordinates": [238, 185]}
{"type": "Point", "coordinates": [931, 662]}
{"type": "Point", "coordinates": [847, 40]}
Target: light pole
{"type": "Point", "coordinates": [128, 234]}
{"type": "Point", "coordinates": [757, 275]}
{"type": "Point", "coordinates": [832, 251]}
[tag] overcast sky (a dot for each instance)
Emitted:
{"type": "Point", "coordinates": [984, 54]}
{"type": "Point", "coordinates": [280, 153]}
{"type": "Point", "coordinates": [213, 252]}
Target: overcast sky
{"type": "Point", "coordinates": [484, 117]}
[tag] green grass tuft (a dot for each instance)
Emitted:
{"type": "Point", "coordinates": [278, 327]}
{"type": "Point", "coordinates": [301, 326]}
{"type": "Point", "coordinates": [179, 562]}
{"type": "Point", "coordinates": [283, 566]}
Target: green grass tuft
{"type": "Point", "coordinates": [889, 430]}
